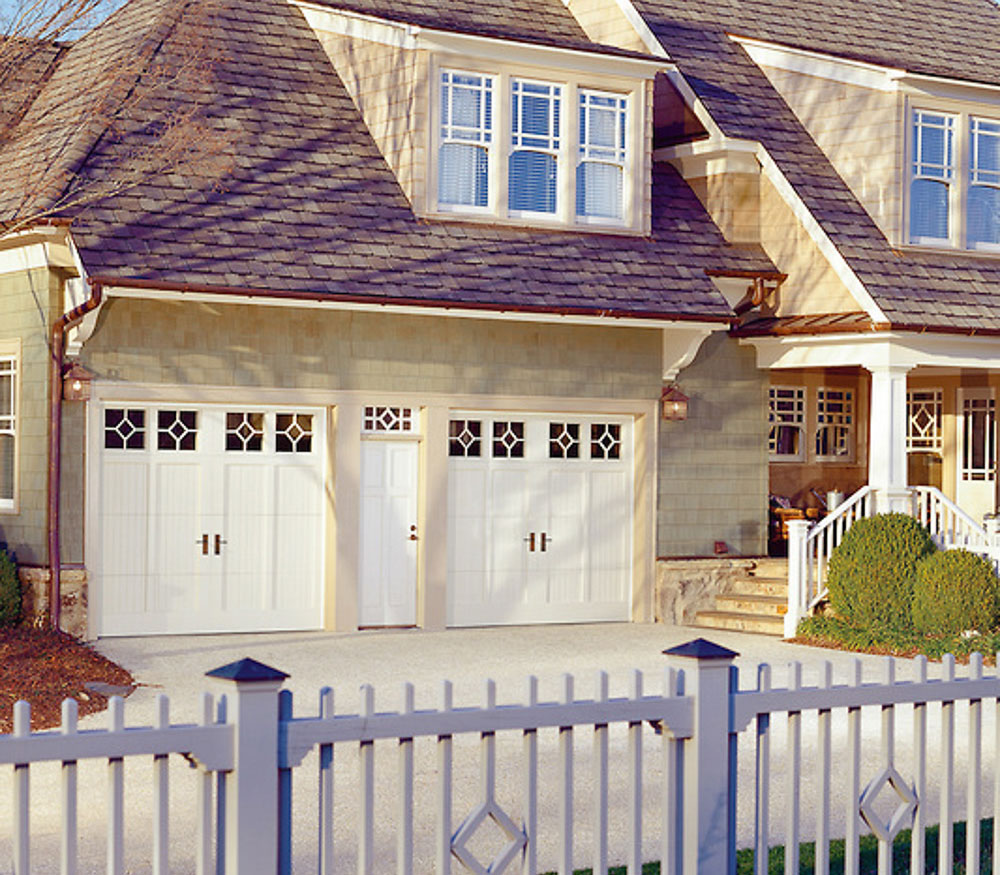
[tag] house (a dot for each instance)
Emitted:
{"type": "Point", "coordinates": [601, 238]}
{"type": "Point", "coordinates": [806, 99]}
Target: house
{"type": "Point", "coordinates": [403, 364]}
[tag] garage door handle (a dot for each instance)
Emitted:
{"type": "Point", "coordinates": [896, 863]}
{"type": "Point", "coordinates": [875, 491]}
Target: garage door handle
{"type": "Point", "coordinates": [203, 540]}
{"type": "Point", "coordinates": [546, 540]}
{"type": "Point", "coordinates": [218, 544]}
{"type": "Point", "coordinates": [531, 542]}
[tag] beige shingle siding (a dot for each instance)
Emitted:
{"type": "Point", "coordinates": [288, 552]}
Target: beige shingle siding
{"type": "Point", "coordinates": [261, 347]}
{"type": "Point", "coordinates": [604, 22]}
{"type": "Point", "coordinates": [859, 130]}
{"type": "Point", "coordinates": [390, 88]}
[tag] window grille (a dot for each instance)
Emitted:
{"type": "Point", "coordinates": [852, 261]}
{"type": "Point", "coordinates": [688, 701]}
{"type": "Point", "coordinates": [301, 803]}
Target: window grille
{"type": "Point", "coordinates": [923, 420]}
{"type": "Point", "coordinates": [933, 171]}
{"type": "Point", "coordinates": [389, 420]}
{"type": "Point", "coordinates": [535, 138]}
{"type": "Point", "coordinates": [466, 135]}
{"type": "Point", "coordinates": [8, 429]}
{"type": "Point", "coordinates": [786, 417]}
{"type": "Point", "coordinates": [600, 173]}
{"type": "Point", "coordinates": [834, 424]}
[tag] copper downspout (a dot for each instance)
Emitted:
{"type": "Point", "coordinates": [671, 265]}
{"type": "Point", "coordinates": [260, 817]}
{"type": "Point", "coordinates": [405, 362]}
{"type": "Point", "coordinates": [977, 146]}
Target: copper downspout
{"type": "Point", "coordinates": [59, 329]}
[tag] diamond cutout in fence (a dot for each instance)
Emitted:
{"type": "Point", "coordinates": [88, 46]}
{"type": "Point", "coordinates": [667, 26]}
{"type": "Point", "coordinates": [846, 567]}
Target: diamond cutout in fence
{"type": "Point", "coordinates": [903, 815]}
{"type": "Point", "coordinates": [460, 841]}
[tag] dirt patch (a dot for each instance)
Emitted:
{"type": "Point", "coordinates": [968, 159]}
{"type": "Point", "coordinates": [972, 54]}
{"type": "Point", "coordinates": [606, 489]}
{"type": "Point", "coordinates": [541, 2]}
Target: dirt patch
{"type": "Point", "coordinates": [43, 667]}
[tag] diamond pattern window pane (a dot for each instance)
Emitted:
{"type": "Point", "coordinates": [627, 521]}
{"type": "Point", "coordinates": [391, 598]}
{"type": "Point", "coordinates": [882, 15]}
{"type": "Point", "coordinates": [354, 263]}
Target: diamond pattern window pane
{"type": "Point", "coordinates": [124, 429]}
{"type": "Point", "coordinates": [508, 440]}
{"type": "Point", "coordinates": [293, 432]}
{"type": "Point", "coordinates": [923, 420]}
{"type": "Point", "coordinates": [381, 420]}
{"type": "Point", "coordinates": [177, 430]}
{"type": "Point", "coordinates": [605, 440]}
{"type": "Point", "coordinates": [245, 432]}
{"type": "Point", "coordinates": [465, 438]}
{"type": "Point", "coordinates": [564, 440]}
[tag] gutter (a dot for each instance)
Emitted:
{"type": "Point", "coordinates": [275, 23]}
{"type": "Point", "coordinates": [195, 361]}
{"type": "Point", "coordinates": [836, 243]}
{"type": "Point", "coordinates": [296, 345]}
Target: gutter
{"type": "Point", "coordinates": [58, 353]}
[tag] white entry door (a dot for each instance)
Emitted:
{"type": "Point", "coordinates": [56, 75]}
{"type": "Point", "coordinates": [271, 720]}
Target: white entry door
{"type": "Point", "coordinates": [211, 519]}
{"type": "Point", "coordinates": [389, 477]}
{"type": "Point", "coordinates": [539, 519]}
{"type": "Point", "coordinates": [977, 452]}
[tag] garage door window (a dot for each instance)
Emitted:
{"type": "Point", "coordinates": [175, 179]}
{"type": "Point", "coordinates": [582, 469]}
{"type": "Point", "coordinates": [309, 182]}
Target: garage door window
{"type": "Point", "coordinates": [177, 430]}
{"type": "Point", "coordinates": [124, 429]}
{"type": "Point", "coordinates": [465, 438]}
{"type": "Point", "coordinates": [388, 420]}
{"type": "Point", "coordinates": [293, 433]}
{"type": "Point", "coordinates": [244, 432]}
{"type": "Point", "coordinates": [508, 440]}
{"type": "Point", "coordinates": [564, 440]}
{"type": "Point", "coordinates": [605, 440]}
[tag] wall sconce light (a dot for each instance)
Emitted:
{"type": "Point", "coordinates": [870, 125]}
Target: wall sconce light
{"type": "Point", "coordinates": [76, 383]}
{"type": "Point", "coordinates": [673, 404]}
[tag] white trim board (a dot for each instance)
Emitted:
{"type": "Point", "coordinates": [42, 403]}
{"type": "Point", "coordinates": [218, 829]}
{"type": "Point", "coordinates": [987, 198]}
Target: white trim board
{"type": "Point", "coordinates": [413, 37]}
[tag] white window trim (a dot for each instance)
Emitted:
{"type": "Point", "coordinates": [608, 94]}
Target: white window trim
{"type": "Point", "coordinates": [10, 350]}
{"type": "Point", "coordinates": [936, 439]}
{"type": "Point", "coordinates": [497, 211]}
{"type": "Point", "coordinates": [800, 423]}
{"type": "Point", "coordinates": [851, 393]}
{"type": "Point", "coordinates": [958, 184]}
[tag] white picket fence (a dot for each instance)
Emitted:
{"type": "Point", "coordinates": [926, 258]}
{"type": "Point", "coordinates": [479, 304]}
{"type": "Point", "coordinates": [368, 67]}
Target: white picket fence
{"type": "Point", "coordinates": [248, 753]}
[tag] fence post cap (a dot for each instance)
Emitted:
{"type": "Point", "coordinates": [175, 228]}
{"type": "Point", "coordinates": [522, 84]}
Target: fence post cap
{"type": "Point", "coordinates": [246, 669]}
{"type": "Point", "coordinates": [700, 648]}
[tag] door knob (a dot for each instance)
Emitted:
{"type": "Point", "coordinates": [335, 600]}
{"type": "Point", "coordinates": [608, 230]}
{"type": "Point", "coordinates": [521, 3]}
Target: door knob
{"type": "Point", "coordinates": [531, 542]}
{"type": "Point", "coordinates": [413, 533]}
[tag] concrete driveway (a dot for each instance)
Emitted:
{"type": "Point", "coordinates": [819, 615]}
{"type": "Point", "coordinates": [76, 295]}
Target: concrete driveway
{"type": "Point", "coordinates": [176, 666]}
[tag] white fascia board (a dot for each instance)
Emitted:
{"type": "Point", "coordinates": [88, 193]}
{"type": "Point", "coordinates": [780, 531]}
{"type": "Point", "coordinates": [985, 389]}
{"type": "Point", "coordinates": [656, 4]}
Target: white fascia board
{"type": "Point", "coordinates": [823, 66]}
{"type": "Point", "coordinates": [264, 300]}
{"type": "Point", "coordinates": [413, 37]}
{"type": "Point", "coordinates": [23, 258]}
{"type": "Point", "coordinates": [882, 349]}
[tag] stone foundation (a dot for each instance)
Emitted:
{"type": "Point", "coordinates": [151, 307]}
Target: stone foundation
{"type": "Point", "coordinates": [35, 599]}
{"type": "Point", "coordinates": [686, 586]}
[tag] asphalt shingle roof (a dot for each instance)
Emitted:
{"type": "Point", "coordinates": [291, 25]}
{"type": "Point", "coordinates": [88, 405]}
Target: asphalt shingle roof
{"type": "Point", "coordinates": [952, 291]}
{"type": "Point", "coordinates": [311, 206]}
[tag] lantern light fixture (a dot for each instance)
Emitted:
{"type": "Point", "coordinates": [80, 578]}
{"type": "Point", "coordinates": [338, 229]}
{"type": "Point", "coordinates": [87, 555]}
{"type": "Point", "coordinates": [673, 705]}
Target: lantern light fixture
{"type": "Point", "coordinates": [673, 404]}
{"type": "Point", "coordinates": [76, 383]}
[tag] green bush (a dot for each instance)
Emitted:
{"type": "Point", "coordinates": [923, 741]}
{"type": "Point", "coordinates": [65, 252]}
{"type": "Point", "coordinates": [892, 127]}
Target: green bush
{"type": "Point", "coordinates": [10, 590]}
{"type": "Point", "coordinates": [873, 571]}
{"type": "Point", "coordinates": [955, 590]}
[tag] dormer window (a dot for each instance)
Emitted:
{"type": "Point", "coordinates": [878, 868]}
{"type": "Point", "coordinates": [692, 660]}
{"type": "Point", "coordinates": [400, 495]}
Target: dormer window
{"type": "Point", "coordinates": [514, 148]}
{"type": "Point", "coordinates": [955, 180]}
{"type": "Point", "coordinates": [466, 139]}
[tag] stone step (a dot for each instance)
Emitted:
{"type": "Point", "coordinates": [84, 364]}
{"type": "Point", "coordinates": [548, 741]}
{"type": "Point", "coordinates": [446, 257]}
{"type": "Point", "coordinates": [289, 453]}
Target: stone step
{"type": "Point", "coordinates": [739, 622]}
{"type": "Point", "coordinates": [758, 605]}
{"type": "Point", "coordinates": [771, 586]}
{"type": "Point", "coordinates": [768, 566]}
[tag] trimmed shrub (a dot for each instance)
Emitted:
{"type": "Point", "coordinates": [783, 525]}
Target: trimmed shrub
{"type": "Point", "coordinates": [873, 571]}
{"type": "Point", "coordinates": [10, 589]}
{"type": "Point", "coordinates": [955, 590]}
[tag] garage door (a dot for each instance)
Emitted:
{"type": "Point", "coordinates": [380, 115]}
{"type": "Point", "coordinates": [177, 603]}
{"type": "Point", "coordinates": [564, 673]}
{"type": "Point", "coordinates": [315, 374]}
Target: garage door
{"type": "Point", "coordinates": [210, 519]}
{"type": "Point", "coordinates": [539, 519]}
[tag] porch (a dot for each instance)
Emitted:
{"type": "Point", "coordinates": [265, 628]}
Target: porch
{"type": "Point", "coordinates": [881, 421]}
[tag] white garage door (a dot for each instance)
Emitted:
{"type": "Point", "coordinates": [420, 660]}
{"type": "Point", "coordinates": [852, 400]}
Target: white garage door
{"type": "Point", "coordinates": [540, 519]}
{"type": "Point", "coordinates": [210, 519]}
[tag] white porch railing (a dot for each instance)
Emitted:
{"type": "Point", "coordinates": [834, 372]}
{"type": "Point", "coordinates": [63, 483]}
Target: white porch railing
{"type": "Point", "coordinates": [698, 727]}
{"type": "Point", "coordinates": [810, 546]}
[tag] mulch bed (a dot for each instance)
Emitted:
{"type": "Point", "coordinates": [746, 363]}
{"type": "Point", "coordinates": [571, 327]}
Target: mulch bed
{"type": "Point", "coordinates": [43, 667]}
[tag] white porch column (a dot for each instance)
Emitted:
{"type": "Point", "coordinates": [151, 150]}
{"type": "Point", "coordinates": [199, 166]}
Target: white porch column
{"type": "Point", "coordinates": [887, 437]}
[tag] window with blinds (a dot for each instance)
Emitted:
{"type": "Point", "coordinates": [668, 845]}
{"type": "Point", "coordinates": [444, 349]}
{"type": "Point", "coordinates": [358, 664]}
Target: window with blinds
{"type": "Point", "coordinates": [534, 156]}
{"type": "Point", "coordinates": [933, 172]}
{"type": "Point", "coordinates": [600, 171]}
{"type": "Point", "coordinates": [8, 429]}
{"type": "Point", "coordinates": [466, 138]}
